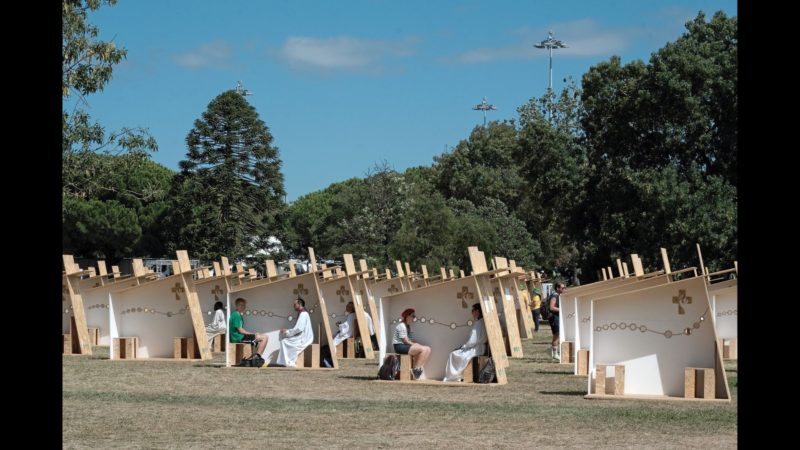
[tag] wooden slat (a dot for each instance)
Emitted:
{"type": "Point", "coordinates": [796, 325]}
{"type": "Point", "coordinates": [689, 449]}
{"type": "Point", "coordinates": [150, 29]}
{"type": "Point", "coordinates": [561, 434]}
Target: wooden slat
{"type": "Point", "coordinates": [194, 304]}
{"type": "Point", "coordinates": [312, 260]}
{"type": "Point", "coordinates": [270, 268]}
{"type": "Point", "coordinates": [665, 260]}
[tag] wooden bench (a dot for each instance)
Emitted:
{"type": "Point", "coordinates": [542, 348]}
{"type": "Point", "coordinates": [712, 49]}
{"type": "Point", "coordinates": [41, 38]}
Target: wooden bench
{"type": "Point", "coordinates": [699, 382]}
{"type": "Point", "coordinates": [124, 347]}
{"type": "Point", "coordinates": [67, 344]}
{"type": "Point", "coordinates": [566, 352]}
{"type": "Point", "coordinates": [239, 350]}
{"type": "Point", "coordinates": [406, 361]}
{"type": "Point", "coordinates": [583, 362]}
{"type": "Point", "coordinates": [309, 357]}
{"type": "Point", "coordinates": [728, 347]}
{"type": "Point", "coordinates": [600, 380]}
{"type": "Point", "coordinates": [185, 347]}
{"type": "Point", "coordinates": [94, 336]}
{"type": "Point", "coordinates": [346, 348]}
{"type": "Point", "coordinates": [474, 367]}
{"type": "Point", "coordinates": [218, 342]}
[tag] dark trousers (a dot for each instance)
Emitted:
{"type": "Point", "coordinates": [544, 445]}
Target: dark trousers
{"type": "Point", "coordinates": [537, 317]}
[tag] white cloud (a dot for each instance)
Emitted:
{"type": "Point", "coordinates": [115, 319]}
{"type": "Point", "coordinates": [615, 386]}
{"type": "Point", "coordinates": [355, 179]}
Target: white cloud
{"type": "Point", "coordinates": [342, 53]}
{"type": "Point", "coordinates": [214, 54]}
{"type": "Point", "coordinates": [582, 38]}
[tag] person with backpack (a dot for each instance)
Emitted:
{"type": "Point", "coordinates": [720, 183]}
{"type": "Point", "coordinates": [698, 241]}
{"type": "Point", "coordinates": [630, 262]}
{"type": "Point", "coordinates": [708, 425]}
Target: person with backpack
{"type": "Point", "coordinates": [403, 343]}
{"type": "Point", "coordinates": [553, 305]}
{"type": "Point", "coordinates": [475, 346]}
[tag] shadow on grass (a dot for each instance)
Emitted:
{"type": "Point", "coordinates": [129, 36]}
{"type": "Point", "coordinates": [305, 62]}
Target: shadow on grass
{"type": "Point", "coordinates": [575, 393]}
{"type": "Point", "coordinates": [556, 372]}
{"type": "Point", "coordinates": [357, 377]}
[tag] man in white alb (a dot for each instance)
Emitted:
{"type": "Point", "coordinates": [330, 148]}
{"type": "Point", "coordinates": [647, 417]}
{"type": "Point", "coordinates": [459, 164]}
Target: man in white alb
{"type": "Point", "coordinates": [295, 340]}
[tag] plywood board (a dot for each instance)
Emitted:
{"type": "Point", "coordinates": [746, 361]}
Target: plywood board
{"type": "Point", "coordinates": [269, 309]}
{"type": "Point", "coordinates": [655, 333]}
{"type": "Point", "coordinates": [442, 323]}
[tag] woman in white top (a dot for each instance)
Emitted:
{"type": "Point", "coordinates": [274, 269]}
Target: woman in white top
{"type": "Point", "coordinates": [475, 346]}
{"type": "Point", "coordinates": [404, 345]}
{"type": "Point", "coordinates": [218, 324]}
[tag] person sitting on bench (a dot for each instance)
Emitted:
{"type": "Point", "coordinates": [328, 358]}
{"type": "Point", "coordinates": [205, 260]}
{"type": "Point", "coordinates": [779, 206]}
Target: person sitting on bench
{"type": "Point", "coordinates": [404, 345]}
{"type": "Point", "coordinates": [475, 346]}
{"type": "Point", "coordinates": [372, 337]}
{"type": "Point", "coordinates": [217, 325]}
{"type": "Point", "coordinates": [295, 340]}
{"type": "Point", "coordinates": [239, 333]}
{"type": "Point", "coordinates": [346, 330]}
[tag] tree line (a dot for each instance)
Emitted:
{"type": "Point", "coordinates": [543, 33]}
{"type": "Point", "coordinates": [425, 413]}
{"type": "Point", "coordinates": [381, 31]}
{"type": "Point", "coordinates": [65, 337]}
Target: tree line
{"type": "Point", "coordinates": [638, 156]}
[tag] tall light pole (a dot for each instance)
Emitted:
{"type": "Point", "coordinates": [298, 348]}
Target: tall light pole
{"type": "Point", "coordinates": [241, 90]}
{"type": "Point", "coordinates": [484, 106]}
{"type": "Point", "coordinates": [550, 44]}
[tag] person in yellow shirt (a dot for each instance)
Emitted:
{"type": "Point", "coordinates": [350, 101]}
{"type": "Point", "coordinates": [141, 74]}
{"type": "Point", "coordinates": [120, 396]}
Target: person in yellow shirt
{"type": "Point", "coordinates": [536, 305]}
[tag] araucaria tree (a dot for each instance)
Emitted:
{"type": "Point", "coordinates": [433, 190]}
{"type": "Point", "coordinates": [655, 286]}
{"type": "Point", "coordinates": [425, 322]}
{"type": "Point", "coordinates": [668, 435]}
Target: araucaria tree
{"type": "Point", "coordinates": [228, 197]}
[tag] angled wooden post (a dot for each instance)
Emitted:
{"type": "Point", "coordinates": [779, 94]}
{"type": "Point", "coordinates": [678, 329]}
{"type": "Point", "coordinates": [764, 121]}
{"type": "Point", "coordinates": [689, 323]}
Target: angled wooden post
{"type": "Point", "coordinates": [619, 268]}
{"type": "Point", "coordinates": [185, 271]}
{"type": "Point", "coordinates": [700, 255]}
{"type": "Point", "coordinates": [101, 267]}
{"type": "Point", "coordinates": [638, 268]}
{"type": "Point", "coordinates": [357, 286]}
{"type": "Point", "coordinates": [72, 274]}
{"type": "Point", "coordinates": [665, 260]}
{"type": "Point", "coordinates": [312, 260]}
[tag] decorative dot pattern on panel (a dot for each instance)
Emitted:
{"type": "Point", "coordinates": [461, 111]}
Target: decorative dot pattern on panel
{"type": "Point", "coordinates": [148, 310]}
{"type": "Point", "coordinates": [687, 331]}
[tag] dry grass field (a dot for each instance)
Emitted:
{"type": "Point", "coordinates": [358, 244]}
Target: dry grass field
{"type": "Point", "coordinates": [200, 405]}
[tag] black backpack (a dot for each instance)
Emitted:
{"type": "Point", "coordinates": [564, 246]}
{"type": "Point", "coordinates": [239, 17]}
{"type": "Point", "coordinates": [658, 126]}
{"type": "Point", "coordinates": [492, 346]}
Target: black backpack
{"type": "Point", "coordinates": [488, 373]}
{"type": "Point", "coordinates": [390, 368]}
{"type": "Point", "coordinates": [545, 309]}
{"type": "Point", "coordinates": [253, 361]}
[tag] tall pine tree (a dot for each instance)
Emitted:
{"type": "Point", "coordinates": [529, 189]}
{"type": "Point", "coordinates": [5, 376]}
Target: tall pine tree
{"type": "Point", "coordinates": [228, 198]}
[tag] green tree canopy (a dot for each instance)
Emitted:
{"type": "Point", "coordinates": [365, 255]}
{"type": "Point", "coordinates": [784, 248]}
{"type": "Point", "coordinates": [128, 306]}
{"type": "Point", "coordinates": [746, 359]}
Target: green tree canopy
{"type": "Point", "coordinates": [228, 197]}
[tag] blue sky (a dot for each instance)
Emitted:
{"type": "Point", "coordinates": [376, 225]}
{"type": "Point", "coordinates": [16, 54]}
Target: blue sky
{"type": "Point", "coordinates": [345, 85]}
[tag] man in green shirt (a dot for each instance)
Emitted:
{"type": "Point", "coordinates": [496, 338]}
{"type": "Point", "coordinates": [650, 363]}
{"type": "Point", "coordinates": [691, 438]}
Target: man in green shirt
{"type": "Point", "coordinates": [237, 331]}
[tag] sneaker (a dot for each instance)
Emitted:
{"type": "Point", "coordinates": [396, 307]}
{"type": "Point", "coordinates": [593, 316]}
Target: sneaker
{"type": "Point", "coordinates": [557, 356]}
{"type": "Point", "coordinates": [416, 372]}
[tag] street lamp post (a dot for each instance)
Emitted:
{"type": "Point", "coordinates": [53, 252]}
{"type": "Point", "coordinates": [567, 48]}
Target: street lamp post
{"type": "Point", "coordinates": [484, 106]}
{"type": "Point", "coordinates": [550, 44]}
{"type": "Point", "coordinates": [241, 90]}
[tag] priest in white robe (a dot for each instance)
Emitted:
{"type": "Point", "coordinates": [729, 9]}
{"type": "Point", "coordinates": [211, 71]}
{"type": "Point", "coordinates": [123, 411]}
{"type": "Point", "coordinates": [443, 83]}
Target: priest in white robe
{"type": "Point", "coordinates": [372, 337]}
{"type": "Point", "coordinates": [475, 346]}
{"type": "Point", "coordinates": [295, 340]}
{"type": "Point", "coordinates": [346, 328]}
{"type": "Point", "coordinates": [218, 324]}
